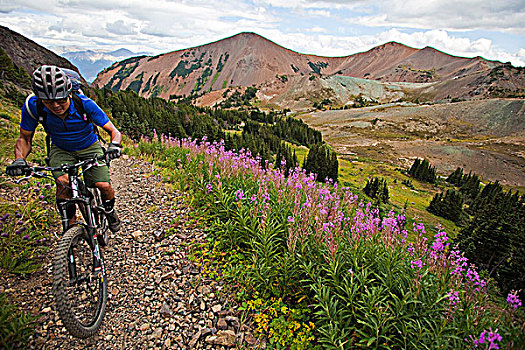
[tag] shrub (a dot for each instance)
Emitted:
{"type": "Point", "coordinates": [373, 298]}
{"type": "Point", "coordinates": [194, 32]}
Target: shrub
{"type": "Point", "coordinates": [24, 226]}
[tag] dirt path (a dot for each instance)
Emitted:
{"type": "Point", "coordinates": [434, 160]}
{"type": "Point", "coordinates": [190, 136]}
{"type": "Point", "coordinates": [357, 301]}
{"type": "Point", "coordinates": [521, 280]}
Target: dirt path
{"type": "Point", "coordinates": [157, 298]}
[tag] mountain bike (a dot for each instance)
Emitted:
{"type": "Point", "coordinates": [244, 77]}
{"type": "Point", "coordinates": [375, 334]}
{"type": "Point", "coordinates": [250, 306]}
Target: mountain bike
{"type": "Point", "coordinates": [79, 276]}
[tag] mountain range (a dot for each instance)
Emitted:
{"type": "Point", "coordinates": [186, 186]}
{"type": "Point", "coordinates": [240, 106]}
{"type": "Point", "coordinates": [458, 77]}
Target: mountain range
{"type": "Point", "coordinates": [483, 134]}
{"type": "Point", "coordinates": [91, 62]}
{"type": "Point", "coordinates": [288, 79]}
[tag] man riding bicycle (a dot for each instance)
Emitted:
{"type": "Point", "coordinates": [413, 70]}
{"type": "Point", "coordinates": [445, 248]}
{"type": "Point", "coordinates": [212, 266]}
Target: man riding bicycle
{"type": "Point", "coordinates": [72, 135]}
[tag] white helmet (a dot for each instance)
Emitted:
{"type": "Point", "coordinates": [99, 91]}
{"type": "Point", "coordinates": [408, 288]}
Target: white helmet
{"type": "Point", "coordinates": [51, 83]}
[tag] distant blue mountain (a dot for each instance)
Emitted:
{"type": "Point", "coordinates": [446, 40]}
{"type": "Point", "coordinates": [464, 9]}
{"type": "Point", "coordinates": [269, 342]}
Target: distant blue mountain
{"type": "Point", "coordinates": [91, 62]}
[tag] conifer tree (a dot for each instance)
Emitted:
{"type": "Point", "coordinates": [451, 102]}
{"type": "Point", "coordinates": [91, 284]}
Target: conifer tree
{"type": "Point", "coordinates": [423, 171]}
{"type": "Point", "coordinates": [377, 189]}
{"type": "Point", "coordinates": [456, 177]}
{"type": "Point", "coordinates": [448, 206]}
{"type": "Point", "coordinates": [322, 160]}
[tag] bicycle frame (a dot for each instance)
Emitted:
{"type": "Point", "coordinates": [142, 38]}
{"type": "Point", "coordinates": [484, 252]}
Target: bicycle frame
{"type": "Point", "coordinates": [83, 196]}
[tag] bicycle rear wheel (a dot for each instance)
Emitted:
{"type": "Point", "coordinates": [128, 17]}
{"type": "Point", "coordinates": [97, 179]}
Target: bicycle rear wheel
{"type": "Point", "coordinates": [80, 292]}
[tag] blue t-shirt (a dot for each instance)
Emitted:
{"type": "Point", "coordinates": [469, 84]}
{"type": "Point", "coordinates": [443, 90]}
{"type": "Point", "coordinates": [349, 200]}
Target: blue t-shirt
{"type": "Point", "coordinates": [71, 134]}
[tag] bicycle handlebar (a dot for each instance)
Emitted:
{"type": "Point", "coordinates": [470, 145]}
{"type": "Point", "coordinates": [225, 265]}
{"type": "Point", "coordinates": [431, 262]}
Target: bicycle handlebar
{"type": "Point", "coordinates": [40, 171]}
{"type": "Point", "coordinates": [66, 167]}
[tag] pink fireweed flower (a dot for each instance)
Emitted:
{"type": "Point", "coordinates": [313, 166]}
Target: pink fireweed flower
{"type": "Point", "coordinates": [440, 245]}
{"type": "Point", "coordinates": [453, 297]}
{"type": "Point", "coordinates": [417, 263]}
{"type": "Point", "coordinates": [239, 195]}
{"type": "Point", "coordinates": [473, 276]}
{"type": "Point", "coordinates": [513, 300]}
{"type": "Point", "coordinates": [490, 338]}
{"type": "Point", "coordinates": [209, 187]}
{"type": "Point", "coordinates": [291, 219]}
{"type": "Point", "coordinates": [350, 271]}
{"type": "Point", "coordinates": [458, 263]}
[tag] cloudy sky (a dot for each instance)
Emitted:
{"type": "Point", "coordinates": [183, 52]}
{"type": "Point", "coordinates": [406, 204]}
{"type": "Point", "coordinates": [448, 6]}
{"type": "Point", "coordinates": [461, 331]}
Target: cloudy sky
{"type": "Point", "coordinates": [493, 29]}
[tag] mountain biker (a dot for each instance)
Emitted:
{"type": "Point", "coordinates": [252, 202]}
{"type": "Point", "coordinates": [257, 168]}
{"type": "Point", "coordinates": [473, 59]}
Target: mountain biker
{"type": "Point", "coordinates": [72, 138]}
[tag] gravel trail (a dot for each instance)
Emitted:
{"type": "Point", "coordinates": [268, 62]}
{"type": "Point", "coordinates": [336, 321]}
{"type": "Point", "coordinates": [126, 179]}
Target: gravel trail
{"type": "Point", "coordinates": [157, 297]}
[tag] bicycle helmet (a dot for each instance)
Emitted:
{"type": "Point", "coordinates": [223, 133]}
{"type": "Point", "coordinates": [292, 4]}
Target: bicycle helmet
{"type": "Point", "coordinates": [51, 83]}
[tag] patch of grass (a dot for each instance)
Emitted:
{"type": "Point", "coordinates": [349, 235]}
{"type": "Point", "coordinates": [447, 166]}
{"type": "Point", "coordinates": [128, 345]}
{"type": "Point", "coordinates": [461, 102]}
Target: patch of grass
{"type": "Point", "coordinates": [26, 214]}
{"type": "Point", "coordinates": [15, 327]}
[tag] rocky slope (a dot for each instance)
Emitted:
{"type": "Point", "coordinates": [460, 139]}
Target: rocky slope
{"type": "Point", "coordinates": [27, 54]}
{"type": "Point", "coordinates": [284, 76]}
{"type": "Point", "coordinates": [486, 137]}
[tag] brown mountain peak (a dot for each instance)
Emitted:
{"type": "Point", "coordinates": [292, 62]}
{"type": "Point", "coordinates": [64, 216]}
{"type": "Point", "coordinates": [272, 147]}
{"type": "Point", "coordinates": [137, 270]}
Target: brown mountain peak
{"type": "Point", "coordinates": [249, 59]}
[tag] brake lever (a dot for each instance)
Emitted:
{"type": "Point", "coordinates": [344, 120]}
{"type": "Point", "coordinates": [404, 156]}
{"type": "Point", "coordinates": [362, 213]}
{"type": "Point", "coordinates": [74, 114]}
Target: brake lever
{"type": "Point", "coordinates": [25, 178]}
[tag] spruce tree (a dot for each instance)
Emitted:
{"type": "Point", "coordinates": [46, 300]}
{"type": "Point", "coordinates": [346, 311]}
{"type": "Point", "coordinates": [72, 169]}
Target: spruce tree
{"type": "Point", "coordinates": [322, 160]}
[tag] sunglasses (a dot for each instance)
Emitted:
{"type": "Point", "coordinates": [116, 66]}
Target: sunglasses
{"type": "Point", "coordinates": [60, 101]}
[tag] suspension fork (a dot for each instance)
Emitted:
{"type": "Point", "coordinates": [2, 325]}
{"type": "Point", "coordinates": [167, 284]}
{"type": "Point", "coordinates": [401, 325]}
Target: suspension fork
{"type": "Point", "coordinates": [98, 264]}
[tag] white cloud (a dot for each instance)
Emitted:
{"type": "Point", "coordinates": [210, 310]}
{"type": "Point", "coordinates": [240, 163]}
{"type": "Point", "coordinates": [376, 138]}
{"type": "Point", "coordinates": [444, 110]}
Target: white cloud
{"type": "Point", "coordinates": [316, 30]}
{"type": "Point", "coordinates": [159, 26]}
{"type": "Point", "coordinates": [121, 28]}
{"type": "Point", "coordinates": [501, 15]}
{"type": "Point", "coordinates": [318, 13]}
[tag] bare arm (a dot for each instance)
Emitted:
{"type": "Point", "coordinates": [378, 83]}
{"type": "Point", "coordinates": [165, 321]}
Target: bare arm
{"type": "Point", "coordinates": [23, 144]}
{"type": "Point", "coordinates": [115, 135]}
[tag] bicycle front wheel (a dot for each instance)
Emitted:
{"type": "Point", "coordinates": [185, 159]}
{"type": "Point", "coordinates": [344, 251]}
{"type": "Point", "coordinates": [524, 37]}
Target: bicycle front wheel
{"type": "Point", "coordinates": [80, 290]}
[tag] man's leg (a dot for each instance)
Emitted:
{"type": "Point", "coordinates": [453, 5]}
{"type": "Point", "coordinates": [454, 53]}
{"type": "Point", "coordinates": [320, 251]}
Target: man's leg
{"type": "Point", "coordinates": [68, 213]}
{"type": "Point", "coordinates": [108, 200]}
{"type": "Point", "coordinates": [59, 157]}
{"type": "Point", "coordinates": [98, 176]}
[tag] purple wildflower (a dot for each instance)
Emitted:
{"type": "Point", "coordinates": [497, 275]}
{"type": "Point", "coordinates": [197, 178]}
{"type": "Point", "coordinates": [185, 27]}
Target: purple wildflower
{"type": "Point", "coordinates": [416, 263]}
{"type": "Point", "coordinates": [26, 237]}
{"type": "Point", "coordinates": [47, 186]}
{"type": "Point", "coordinates": [513, 300]}
{"type": "Point", "coordinates": [453, 297]}
{"type": "Point", "coordinates": [18, 215]}
{"type": "Point", "coordinates": [4, 217]}
{"type": "Point", "coordinates": [239, 195]}
{"type": "Point", "coordinates": [440, 245]}
{"type": "Point", "coordinates": [4, 234]}
{"type": "Point", "coordinates": [489, 338]}
{"type": "Point", "coordinates": [209, 187]}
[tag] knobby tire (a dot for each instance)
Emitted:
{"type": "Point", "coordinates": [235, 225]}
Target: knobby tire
{"type": "Point", "coordinates": [68, 295]}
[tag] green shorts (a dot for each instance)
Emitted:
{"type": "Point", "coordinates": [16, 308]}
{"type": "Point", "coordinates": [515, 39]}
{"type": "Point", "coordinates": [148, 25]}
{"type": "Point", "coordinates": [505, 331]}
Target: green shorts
{"type": "Point", "coordinates": [58, 157]}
